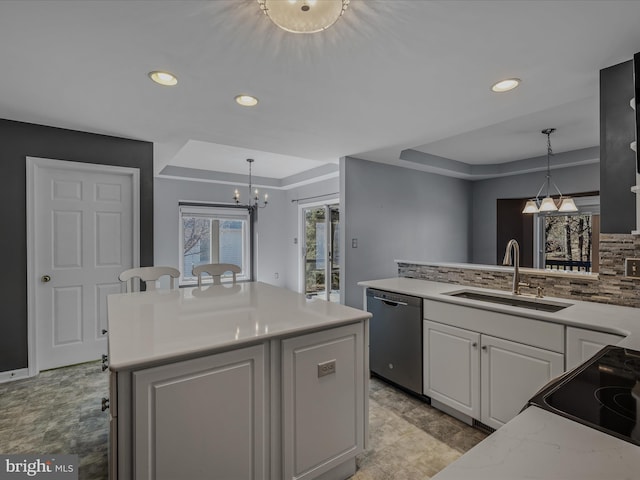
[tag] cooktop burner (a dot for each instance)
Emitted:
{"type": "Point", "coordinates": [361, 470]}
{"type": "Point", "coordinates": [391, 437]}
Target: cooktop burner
{"type": "Point", "coordinates": [618, 400]}
{"type": "Point", "coordinates": [603, 393]}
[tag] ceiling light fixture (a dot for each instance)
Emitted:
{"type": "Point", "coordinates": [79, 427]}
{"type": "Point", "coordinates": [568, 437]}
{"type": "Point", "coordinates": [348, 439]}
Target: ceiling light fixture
{"type": "Point", "coordinates": [246, 100]}
{"type": "Point", "coordinates": [505, 85]}
{"type": "Point", "coordinates": [548, 204]}
{"type": "Point", "coordinates": [167, 79]}
{"type": "Point", "coordinates": [254, 203]}
{"type": "Point", "coordinates": [304, 16]}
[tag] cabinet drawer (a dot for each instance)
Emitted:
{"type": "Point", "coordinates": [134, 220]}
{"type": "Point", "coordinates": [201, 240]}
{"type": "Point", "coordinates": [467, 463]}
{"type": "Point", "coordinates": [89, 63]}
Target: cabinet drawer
{"type": "Point", "coordinates": [525, 330]}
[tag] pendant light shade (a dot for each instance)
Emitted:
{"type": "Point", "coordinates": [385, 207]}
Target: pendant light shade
{"type": "Point", "coordinates": [530, 207]}
{"type": "Point", "coordinates": [548, 204]}
{"type": "Point", "coordinates": [304, 16]}
{"type": "Point", "coordinates": [567, 205]}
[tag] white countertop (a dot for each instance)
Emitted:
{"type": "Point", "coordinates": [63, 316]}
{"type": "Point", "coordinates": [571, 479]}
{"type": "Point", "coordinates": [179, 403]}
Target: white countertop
{"type": "Point", "coordinates": [151, 327]}
{"type": "Point", "coordinates": [541, 445]}
{"type": "Point", "coordinates": [538, 444]}
{"type": "Point", "coordinates": [595, 316]}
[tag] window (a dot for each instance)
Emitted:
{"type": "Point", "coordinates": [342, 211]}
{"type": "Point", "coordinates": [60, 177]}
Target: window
{"type": "Point", "coordinates": [570, 241]}
{"type": "Point", "coordinates": [214, 235]}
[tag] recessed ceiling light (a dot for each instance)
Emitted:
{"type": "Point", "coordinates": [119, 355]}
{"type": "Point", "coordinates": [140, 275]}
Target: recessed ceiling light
{"type": "Point", "coordinates": [505, 85]}
{"type": "Point", "coordinates": [246, 100]}
{"type": "Point", "coordinates": [163, 78]}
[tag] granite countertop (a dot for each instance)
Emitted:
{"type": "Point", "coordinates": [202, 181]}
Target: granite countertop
{"type": "Point", "coordinates": [538, 444]}
{"type": "Point", "coordinates": [146, 328]}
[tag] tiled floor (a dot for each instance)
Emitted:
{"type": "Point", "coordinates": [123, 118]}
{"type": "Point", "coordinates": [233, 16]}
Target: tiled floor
{"type": "Point", "coordinates": [409, 439]}
{"type": "Point", "coordinates": [59, 412]}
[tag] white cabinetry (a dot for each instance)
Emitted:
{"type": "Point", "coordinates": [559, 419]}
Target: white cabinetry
{"type": "Point", "coordinates": [583, 344]}
{"type": "Point", "coordinates": [452, 367]}
{"type": "Point", "coordinates": [287, 408]}
{"type": "Point", "coordinates": [511, 373]}
{"type": "Point", "coordinates": [487, 365]}
{"type": "Point", "coordinates": [322, 398]}
{"type": "Point", "coordinates": [202, 418]}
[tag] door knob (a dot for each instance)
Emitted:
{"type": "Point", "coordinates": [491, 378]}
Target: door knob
{"type": "Point", "coordinates": [45, 278]}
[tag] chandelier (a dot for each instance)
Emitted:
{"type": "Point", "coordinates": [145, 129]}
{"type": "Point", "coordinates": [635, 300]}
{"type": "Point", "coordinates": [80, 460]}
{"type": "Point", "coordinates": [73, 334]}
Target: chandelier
{"type": "Point", "coordinates": [254, 202]}
{"type": "Point", "coordinates": [304, 16]}
{"type": "Point", "coordinates": [548, 204]}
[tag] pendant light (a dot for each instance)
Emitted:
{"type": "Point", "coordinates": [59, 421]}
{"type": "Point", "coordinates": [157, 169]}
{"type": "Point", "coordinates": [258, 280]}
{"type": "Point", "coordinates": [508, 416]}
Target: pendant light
{"type": "Point", "coordinates": [548, 204]}
{"type": "Point", "coordinates": [253, 200]}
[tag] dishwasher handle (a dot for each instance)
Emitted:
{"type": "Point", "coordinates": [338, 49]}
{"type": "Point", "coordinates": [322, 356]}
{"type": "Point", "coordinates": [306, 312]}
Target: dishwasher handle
{"type": "Point", "coordinates": [392, 303]}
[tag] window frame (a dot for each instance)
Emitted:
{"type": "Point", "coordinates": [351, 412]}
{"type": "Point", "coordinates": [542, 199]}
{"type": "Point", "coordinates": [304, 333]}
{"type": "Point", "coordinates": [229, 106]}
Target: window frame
{"type": "Point", "coordinates": [587, 205]}
{"type": "Point", "coordinates": [216, 212]}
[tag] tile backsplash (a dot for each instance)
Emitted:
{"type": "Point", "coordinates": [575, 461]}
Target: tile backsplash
{"type": "Point", "coordinates": [610, 286]}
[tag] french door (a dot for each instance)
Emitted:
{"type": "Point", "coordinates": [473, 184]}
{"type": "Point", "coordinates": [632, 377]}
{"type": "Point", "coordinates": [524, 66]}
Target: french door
{"type": "Point", "coordinates": [320, 233]}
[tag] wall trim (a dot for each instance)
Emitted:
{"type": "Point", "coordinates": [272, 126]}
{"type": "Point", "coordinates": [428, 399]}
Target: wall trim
{"type": "Point", "coordinates": [11, 375]}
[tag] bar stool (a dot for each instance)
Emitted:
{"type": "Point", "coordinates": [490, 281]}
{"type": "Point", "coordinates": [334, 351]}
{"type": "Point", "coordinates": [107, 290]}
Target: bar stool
{"type": "Point", "coordinates": [149, 275]}
{"type": "Point", "coordinates": [216, 270]}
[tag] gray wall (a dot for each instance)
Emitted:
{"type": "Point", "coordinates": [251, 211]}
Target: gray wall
{"type": "Point", "coordinates": [617, 160]}
{"type": "Point", "coordinates": [484, 193]}
{"type": "Point", "coordinates": [272, 224]}
{"type": "Point", "coordinates": [20, 140]}
{"type": "Point", "coordinates": [398, 213]}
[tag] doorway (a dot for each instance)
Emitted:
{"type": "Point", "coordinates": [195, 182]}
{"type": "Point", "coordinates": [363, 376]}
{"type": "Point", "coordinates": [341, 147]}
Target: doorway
{"type": "Point", "coordinates": [82, 231]}
{"type": "Point", "coordinates": [319, 244]}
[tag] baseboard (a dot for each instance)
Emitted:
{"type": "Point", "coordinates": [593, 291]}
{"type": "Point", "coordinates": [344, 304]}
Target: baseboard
{"type": "Point", "coordinates": [341, 472]}
{"type": "Point", "coordinates": [452, 412]}
{"type": "Point", "coordinates": [11, 375]}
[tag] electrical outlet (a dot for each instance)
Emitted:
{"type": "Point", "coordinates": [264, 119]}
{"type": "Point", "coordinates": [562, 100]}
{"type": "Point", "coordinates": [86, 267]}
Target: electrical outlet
{"type": "Point", "coordinates": [326, 368]}
{"type": "Point", "coordinates": [354, 243]}
{"type": "Point", "coordinates": [632, 267]}
{"type": "Point", "coordinates": [276, 275]}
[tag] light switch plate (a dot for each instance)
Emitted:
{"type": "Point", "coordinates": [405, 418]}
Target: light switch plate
{"type": "Point", "coordinates": [632, 267]}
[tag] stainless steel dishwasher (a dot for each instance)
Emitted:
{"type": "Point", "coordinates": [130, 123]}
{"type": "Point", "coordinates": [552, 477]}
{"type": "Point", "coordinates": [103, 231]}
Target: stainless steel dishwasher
{"type": "Point", "coordinates": [395, 343]}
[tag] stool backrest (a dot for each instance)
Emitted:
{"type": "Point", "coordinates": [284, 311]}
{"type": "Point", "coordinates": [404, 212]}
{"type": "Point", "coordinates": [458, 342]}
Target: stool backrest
{"type": "Point", "coordinates": [149, 275]}
{"type": "Point", "coordinates": [216, 270]}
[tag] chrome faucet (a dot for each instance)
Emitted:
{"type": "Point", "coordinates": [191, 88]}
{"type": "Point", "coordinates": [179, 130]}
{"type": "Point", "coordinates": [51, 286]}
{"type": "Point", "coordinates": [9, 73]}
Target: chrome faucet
{"type": "Point", "coordinates": [513, 246]}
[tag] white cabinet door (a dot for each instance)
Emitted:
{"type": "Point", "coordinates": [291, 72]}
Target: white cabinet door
{"type": "Point", "coordinates": [202, 418]}
{"type": "Point", "coordinates": [452, 367]}
{"type": "Point", "coordinates": [323, 400]}
{"type": "Point", "coordinates": [511, 373]}
{"type": "Point", "coordinates": [583, 344]}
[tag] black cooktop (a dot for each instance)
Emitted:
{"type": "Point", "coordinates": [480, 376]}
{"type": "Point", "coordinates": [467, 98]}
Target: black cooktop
{"type": "Point", "coordinates": [603, 393]}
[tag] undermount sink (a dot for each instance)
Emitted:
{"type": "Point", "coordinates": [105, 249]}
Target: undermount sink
{"type": "Point", "coordinates": [511, 300]}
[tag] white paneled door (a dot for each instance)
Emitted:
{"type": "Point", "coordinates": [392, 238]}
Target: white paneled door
{"type": "Point", "coordinates": [82, 235]}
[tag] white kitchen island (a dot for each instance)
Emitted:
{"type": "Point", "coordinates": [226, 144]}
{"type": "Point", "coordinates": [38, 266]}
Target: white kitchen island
{"type": "Point", "coordinates": [245, 381]}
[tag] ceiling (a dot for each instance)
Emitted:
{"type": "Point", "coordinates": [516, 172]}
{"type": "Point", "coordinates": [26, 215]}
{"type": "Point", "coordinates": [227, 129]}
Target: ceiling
{"type": "Point", "coordinates": [391, 76]}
